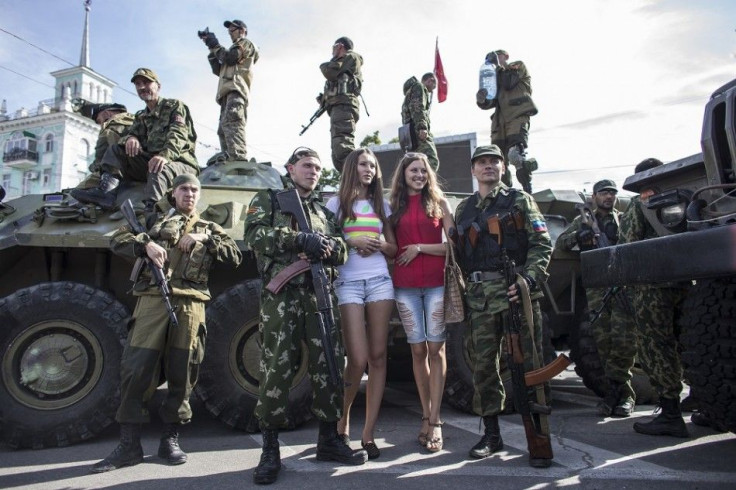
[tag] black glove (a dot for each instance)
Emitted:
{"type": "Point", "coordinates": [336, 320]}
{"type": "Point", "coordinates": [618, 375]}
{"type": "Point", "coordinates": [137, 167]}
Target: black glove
{"type": "Point", "coordinates": [529, 281]}
{"type": "Point", "coordinates": [480, 96]}
{"type": "Point", "coordinates": [313, 245]}
{"type": "Point", "coordinates": [585, 238]}
{"type": "Point", "coordinates": [211, 40]}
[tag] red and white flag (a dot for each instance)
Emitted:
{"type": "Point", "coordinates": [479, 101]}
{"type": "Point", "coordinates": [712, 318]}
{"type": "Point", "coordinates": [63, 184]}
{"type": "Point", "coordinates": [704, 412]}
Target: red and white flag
{"type": "Point", "coordinates": [439, 73]}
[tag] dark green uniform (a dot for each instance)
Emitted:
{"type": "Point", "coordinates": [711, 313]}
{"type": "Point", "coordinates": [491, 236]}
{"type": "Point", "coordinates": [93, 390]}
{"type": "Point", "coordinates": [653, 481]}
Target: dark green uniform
{"type": "Point", "coordinates": [657, 308]}
{"type": "Point", "coordinates": [487, 300]}
{"type": "Point", "coordinates": [415, 111]}
{"type": "Point", "coordinates": [111, 132]}
{"type": "Point", "coordinates": [152, 343]}
{"type": "Point", "coordinates": [340, 97]}
{"type": "Point", "coordinates": [288, 318]}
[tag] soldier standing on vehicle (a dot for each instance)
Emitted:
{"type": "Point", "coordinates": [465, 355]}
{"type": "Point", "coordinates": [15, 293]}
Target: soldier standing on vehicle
{"type": "Point", "coordinates": [487, 297]}
{"type": "Point", "coordinates": [510, 120]}
{"type": "Point", "coordinates": [158, 147]}
{"type": "Point", "coordinates": [614, 329]}
{"type": "Point", "coordinates": [340, 97]}
{"type": "Point", "coordinates": [415, 111]}
{"type": "Point", "coordinates": [657, 308]}
{"type": "Point", "coordinates": [288, 317]}
{"type": "Point", "coordinates": [185, 247]}
{"type": "Point", "coordinates": [234, 66]}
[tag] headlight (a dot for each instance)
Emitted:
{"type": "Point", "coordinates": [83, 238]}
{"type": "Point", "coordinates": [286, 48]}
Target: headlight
{"type": "Point", "coordinates": [672, 216]}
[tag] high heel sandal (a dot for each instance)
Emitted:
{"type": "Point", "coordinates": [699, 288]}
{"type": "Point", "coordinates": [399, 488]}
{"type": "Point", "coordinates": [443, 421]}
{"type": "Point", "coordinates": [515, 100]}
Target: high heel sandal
{"type": "Point", "coordinates": [434, 444]}
{"type": "Point", "coordinates": [422, 437]}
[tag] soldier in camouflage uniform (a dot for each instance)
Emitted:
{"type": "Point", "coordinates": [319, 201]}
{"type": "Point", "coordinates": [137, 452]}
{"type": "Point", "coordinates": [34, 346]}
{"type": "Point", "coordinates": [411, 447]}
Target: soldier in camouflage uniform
{"type": "Point", "coordinates": [234, 66]}
{"type": "Point", "coordinates": [615, 329]}
{"type": "Point", "coordinates": [288, 317]}
{"type": "Point", "coordinates": [115, 122]}
{"type": "Point", "coordinates": [510, 121]}
{"type": "Point", "coordinates": [186, 247]}
{"type": "Point", "coordinates": [415, 111]}
{"type": "Point", "coordinates": [657, 308]}
{"type": "Point", "coordinates": [529, 244]}
{"type": "Point", "coordinates": [340, 97]}
{"type": "Point", "coordinates": [158, 147]}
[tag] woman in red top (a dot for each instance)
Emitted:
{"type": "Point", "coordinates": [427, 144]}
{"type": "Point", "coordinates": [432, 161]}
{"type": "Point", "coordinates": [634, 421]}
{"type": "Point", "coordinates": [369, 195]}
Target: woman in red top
{"type": "Point", "coordinates": [419, 213]}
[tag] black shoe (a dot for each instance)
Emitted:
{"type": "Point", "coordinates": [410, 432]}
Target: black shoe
{"type": "Point", "coordinates": [491, 441]}
{"type": "Point", "coordinates": [371, 448]}
{"type": "Point", "coordinates": [624, 408]}
{"type": "Point", "coordinates": [269, 466]}
{"type": "Point", "coordinates": [668, 423]}
{"type": "Point", "coordinates": [169, 448]}
{"type": "Point", "coordinates": [128, 453]}
{"type": "Point", "coordinates": [540, 462]}
{"type": "Point", "coordinates": [331, 447]}
{"type": "Point", "coordinates": [104, 195]}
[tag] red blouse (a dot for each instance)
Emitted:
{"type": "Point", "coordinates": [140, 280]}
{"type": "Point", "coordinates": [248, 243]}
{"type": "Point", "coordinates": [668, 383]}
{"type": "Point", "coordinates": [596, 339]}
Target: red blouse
{"type": "Point", "coordinates": [414, 227]}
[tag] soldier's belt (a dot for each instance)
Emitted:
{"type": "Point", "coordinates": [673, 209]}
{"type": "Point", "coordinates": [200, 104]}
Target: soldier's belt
{"type": "Point", "coordinates": [480, 276]}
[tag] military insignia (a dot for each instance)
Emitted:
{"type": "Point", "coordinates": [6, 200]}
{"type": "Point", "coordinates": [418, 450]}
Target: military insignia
{"type": "Point", "coordinates": [178, 119]}
{"type": "Point", "coordinates": [539, 226]}
{"type": "Point", "coordinates": [254, 210]}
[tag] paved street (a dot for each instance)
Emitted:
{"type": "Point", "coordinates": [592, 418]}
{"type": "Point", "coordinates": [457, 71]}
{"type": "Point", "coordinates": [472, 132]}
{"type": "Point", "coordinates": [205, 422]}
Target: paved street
{"type": "Point", "coordinates": [589, 453]}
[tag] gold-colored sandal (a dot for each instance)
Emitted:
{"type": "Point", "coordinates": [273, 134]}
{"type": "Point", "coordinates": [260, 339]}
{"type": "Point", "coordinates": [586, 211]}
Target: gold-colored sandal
{"type": "Point", "coordinates": [434, 444]}
{"type": "Point", "coordinates": [423, 436]}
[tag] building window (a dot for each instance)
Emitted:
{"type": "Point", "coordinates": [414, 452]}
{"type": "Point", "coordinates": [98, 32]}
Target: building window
{"type": "Point", "coordinates": [49, 143]}
{"type": "Point", "coordinates": [46, 179]}
{"type": "Point", "coordinates": [6, 182]}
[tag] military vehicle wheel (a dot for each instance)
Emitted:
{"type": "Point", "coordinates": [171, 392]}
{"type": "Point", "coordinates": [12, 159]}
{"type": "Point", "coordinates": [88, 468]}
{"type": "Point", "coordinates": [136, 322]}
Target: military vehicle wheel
{"type": "Point", "coordinates": [709, 348]}
{"type": "Point", "coordinates": [61, 344]}
{"type": "Point", "coordinates": [584, 354]}
{"type": "Point", "coordinates": [228, 378]}
{"type": "Point", "coordinates": [459, 380]}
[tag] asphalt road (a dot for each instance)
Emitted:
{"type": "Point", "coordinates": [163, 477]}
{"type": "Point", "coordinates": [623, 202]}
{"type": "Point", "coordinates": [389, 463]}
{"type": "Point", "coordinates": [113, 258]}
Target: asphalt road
{"type": "Point", "coordinates": [590, 452]}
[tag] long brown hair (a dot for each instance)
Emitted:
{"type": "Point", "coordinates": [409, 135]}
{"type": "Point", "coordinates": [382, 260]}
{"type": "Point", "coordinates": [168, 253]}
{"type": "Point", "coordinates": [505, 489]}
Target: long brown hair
{"type": "Point", "coordinates": [432, 195]}
{"type": "Point", "coordinates": [350, 186]}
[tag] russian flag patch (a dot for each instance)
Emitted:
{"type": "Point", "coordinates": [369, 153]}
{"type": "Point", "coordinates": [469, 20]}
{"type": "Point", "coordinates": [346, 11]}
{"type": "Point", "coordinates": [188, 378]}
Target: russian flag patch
{"type": "Point", "coordinates": [539, 226]}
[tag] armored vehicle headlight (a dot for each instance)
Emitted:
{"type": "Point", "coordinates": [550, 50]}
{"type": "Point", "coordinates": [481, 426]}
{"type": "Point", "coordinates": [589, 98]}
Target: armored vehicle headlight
{"type": "Point", "coordinates": [672, 216]}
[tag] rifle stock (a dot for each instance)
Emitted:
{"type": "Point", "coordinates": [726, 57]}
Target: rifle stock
{"type": "Point", "coordinates": [158, 274]}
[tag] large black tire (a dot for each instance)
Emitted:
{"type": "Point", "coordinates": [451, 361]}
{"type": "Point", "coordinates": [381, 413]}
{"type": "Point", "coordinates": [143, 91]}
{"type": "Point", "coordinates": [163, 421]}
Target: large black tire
{"type": "Point", "coordinates": [229, 376]}
{"type": "Point", "coordinates": [61, 344]}
{"type": "Point", "coordinates": [584, 354]}
{"type": "Point", "coordinates": [459, 381]}
{"type": "Point", "coordinates": [708, 338]}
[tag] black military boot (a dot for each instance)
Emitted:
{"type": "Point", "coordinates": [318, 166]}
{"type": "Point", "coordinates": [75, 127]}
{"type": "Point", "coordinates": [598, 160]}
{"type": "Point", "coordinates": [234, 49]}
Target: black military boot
{"type": "Point", "coordinates": [169, 448]}
{"type": "Point", "coordinates": [103, 195]}
{"type": "Point", "coordinates": [668, 423]}
{"type": "Point", "coordinates": [268, 467]}
{"type": "Point", "coordinates": [624, 407]}
{"type": "Point", "coordinates": [332, 447]}
{"type": "Point", "coordinates": [128, 453]}
{"type": "Point", "coordinates": [491, 441]}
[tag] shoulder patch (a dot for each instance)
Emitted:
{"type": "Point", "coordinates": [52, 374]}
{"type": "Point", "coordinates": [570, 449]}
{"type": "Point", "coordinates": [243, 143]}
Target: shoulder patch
{"type": "Point", "coordinates": [539, 226]}
{"type": "Point", "coordinates": [178, 119]}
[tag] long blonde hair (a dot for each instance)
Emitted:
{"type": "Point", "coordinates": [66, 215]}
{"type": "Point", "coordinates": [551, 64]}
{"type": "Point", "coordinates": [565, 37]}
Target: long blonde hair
{"type": "Point", "coordinates": [432, 195]}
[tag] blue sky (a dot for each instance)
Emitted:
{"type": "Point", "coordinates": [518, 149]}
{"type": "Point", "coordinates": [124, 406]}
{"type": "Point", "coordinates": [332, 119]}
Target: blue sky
{"type": "Point", "coordinates": [615, 81]}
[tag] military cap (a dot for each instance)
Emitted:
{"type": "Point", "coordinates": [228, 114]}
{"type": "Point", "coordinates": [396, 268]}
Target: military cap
{"type": "Point", "coordinates": [185, 179]}
{"type": "Point", "coordinates": [146, 73]}
{"type": "Point", "coordinates": [647, 164]}
{"type": "Point", "coordinates": [239, 24]}
{"type": "Point", "coordinates": [345, 41]}
{"type": "Point", "coordinates": [604, 185]}
{"type": "Point", "coordinates": [91, 111]}
{"type": "Point", "coordinates": [492, 150]}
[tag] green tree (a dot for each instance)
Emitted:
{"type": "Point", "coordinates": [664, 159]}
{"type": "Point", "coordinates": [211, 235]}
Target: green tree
{"type": "Point", "coordinates": [371, 139]}
{"type": "Point", "coordinates": [330, 178]}
{"type": "Point", "coordinates": [395, 139]}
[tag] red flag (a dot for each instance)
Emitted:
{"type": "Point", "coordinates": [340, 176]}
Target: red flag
{"type": "Point", "coordinates": [439, 73]}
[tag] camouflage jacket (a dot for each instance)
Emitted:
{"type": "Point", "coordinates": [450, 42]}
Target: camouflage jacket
{"type": "Point", "coordinates": [539, 243]}
{"type": "Point", "coordinates": [416, 104]}
{"type": "Point", "coordinates": [188, 273]}
{"type": "Point", "coordinates": [568, 240]}
{"type": "Point", "coordinates": [514, 97]}
{"type": "Point", "coordinates": [111, 132]}
{"type": "Point", "coordinates": [344, 79]}
{"type": "Point", "coordinates": [270, 235]}
{"type": "Point", "coordinates": [167, 131]}
{"type": "Point", "coordinates": [234, 67]}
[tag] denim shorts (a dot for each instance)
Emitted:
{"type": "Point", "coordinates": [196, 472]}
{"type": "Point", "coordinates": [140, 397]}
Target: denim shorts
{"type": "Point", "coordinates": [362, 291]}
{"type": "Point", "coordinates": [422, 313]}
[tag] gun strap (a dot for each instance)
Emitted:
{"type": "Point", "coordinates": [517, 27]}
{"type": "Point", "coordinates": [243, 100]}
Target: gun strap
{"type": "Point", "coordinates": [526, 301]}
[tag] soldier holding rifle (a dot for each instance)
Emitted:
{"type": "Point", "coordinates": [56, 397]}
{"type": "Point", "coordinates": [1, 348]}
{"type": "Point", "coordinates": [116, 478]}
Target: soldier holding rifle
{"type": "Point", "coordinates": [296, 264]}
{"type": "Point", "coordinates": [493, 222]}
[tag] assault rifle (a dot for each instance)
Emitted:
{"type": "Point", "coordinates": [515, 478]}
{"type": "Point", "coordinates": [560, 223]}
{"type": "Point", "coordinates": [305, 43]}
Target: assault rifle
{"type": "Point", "coordinates": [314, 117]}
{"type": "Point", "coordinates": [157, 272]}
{"type": "Point", "coordinates": [290, 203]}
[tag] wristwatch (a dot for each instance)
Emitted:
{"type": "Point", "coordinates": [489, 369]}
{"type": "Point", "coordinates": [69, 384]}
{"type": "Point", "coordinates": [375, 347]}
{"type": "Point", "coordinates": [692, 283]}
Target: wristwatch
{"type": "Point", "coordinates": [419, 249]}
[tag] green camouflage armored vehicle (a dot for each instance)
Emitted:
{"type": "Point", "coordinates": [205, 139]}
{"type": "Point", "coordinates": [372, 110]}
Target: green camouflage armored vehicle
{"type": "Point", "coordinates": [692, 206]}
{"type": "Point", "coordinates": [64, 307]}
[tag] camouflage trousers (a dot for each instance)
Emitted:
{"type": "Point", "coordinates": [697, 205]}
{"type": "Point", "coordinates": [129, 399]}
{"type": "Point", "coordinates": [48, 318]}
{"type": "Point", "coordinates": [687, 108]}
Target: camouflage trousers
{"type": "Point", "coordinates": [428, 148]}
{"type": "Point", "coordinates": [486, 336]}
{"type": "Point", "coordinates": [615, 336]}
{"type": "Point", "coordinates": [116, 162]}
{"type": "Point", "coordinates": [507, 134]}
{"type": "Point", "coordinates": [233, 118]}
{"type": "Point", "coordinates": [152, 344]}
{"type": "Point", "coordinates": [288, 321]}
{"type": "Point", "coordinates": [657, 310]}
{"type": "Point", "coordinates": [343, 120]}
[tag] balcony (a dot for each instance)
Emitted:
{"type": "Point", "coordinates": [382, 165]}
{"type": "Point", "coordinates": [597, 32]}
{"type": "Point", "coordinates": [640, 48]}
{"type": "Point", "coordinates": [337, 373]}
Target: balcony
{"type": "Point", "coordinates": [20, 159]}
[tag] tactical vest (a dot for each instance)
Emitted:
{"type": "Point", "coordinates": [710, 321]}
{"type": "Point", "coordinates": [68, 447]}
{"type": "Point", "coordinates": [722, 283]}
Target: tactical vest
{"type": "Point", "coordinates": [483, 232]}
